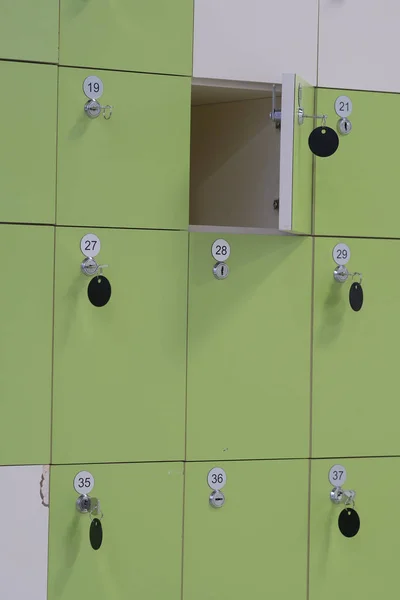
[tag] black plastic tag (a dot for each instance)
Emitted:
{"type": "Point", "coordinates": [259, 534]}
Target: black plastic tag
{"type": "Point", "coordinates": [99, 290]}
{"type": "Point", "coordinates": [323, 141]}
{"type": "Point", "coordinates": [96, 534]}
{"type": "Point", "coordinates": [349, 522]}
{"type": "Point", "coordinates": [356, 296]}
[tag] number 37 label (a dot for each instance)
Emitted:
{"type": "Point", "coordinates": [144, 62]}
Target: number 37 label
{"type": "Point", "coordinates": [337, 475]}
{"type": "Point", "coordinates": [83, 482]}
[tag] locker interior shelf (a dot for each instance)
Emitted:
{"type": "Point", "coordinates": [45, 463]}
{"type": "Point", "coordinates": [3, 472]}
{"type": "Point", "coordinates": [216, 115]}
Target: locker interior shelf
{"type": "Point", "coordinates": [235, 159]}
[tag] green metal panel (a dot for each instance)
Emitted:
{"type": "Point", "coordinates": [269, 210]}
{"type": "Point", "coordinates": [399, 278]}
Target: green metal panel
{"type": "Point", "coordinates": [152, 36]}
{"type": "Point", "coordinates": [249, 349]}
{"type": "Point", "coordinates": [355, 189]}
{"type": "Point", "coordinates": [133, 169]}
{"type": "Point", "coordinates": [302, 161]}
{"type": "Point", "coordinates": [366, 565]}
{"type": "Point", "coordinates": [28, 31]}
{"type": "Point", "coordinates": [120, 370]}
{"type": "Point", "coordinates": [256, 543]}
{"type": "Point", "coordinates": [355, 371]}
{"type": "Point", "coordinates": [141, 553]}
{"type": "Point", "coordinates": [28, 142]}
{"type": "Point", "coordinates": [26, 304]}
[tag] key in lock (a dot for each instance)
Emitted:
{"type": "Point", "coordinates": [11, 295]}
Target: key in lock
{"type": "Point", "coordinates": [84, 503]}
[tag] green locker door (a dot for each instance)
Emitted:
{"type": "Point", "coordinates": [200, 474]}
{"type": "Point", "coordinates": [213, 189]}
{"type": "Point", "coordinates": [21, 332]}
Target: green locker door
{"type": "Point", "coordinates": [355, 189]}
{"type": "Point", "coordinates": [120, 369]}
{"type": "Point", "coordinates": [131, 35]}
{"type": "Point", "coordinates": [365, 566]}
{"type": "Point", "coordinates": [141, 553]}
{"type": "Point", "coordinates": [28, 142]}
{"type": "Point", "coordinates": [29, 31]}
{"type": "Point", "coordinates": [131, 170]}
{"type": "Point", "coordinates": [355, 367]}
{"type": "Point", "coordinates": [26, 343]}
{"type": "Point", "coordinates": [255, 545]}
{"type": "Point", "coordinates": [296, 159]}
{"type": "Point", "coordinates": [249, 348]}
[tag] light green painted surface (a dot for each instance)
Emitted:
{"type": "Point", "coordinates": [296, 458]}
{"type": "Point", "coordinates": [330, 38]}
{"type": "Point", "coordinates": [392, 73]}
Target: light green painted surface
{"type": "Point", "coordinates": [365, 566]}
{"type": "Point", "coordinates": [142, 533]}
{"type": "Point", "coordinates": [356, 188]}
{"type": "Point", "coordinates": [26, 304]}
{"type": "Point", "coordinates": [28, 150]}
{"type": "Point", "coordinates": [302, 161]}
{"type": "Point", "coordinates": [28, 31]}
{"type": "Point", "coordinates": [133, 169]}
{"type": "Point", "coordinates": [256, 544]}
{"type": "Point", "coordinates": [355, 374]}
{"type": "Point", "coordinates": [154, 36]}
{"type": "Point", "coordinates": [119, 382]}
{"type": "Point", "coordinates": [249, 349]}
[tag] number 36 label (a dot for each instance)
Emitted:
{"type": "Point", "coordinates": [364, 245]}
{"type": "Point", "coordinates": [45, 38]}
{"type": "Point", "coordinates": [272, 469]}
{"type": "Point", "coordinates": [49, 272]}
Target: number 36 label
{"type": "Point", "coordinates": [83, 482]}
{"type": "Point", "coordinates": [220, 250]}
{"type": "Point", "coordinates": [337, 475]}
{"type": "Point", "coordinates": [216, 478]}
{"type": "Point", "coordinates": [341, 254]}
{"type": "Point", "coordinates": [90, 245]}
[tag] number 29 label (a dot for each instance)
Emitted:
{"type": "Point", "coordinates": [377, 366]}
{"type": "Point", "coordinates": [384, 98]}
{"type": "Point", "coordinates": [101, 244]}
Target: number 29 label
{"type": "Point", "coordinates": [337, 475]}
{"type": "Point", "coordinates": [341, 254]}
{"type": "Point", "coordinates": [216, 478]}
{"type": "Point", "coordinates": [83, 482]}
{"type": "Point", "coordinates": [220, 250]}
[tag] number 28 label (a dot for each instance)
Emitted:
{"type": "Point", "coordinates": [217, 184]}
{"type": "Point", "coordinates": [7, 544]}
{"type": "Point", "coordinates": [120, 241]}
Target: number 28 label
{"type": "Point", "coordinates": [341, 254]}
{"type": "Point", "coordinates": [337, 475]}
{"type": "Point", "coordinates": [220, 250]}
{"type": "Point", "coordinates": [90, 245]}
{"type": "Point", "coordinates": [83, 482]}
{"type": "Point", "coordinates": [216, 478]}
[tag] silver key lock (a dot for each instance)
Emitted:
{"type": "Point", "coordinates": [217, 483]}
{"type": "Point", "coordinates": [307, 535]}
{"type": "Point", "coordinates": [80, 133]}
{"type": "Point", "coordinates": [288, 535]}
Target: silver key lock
{"type": "Point", "coordinates": [217, 499]}
{"type": "Point", "coordinates": [344, 126]}
{"type": "Point", "coordinates": [339, 496]}
{"type": "Point", "coordinates": [220, 270]}
{"type": "Point", "coordinates": [93, 109]}
{"type": "Point", "coordinates": [84, 503]}
{"type": "Point", "coordinates": [90, 267]}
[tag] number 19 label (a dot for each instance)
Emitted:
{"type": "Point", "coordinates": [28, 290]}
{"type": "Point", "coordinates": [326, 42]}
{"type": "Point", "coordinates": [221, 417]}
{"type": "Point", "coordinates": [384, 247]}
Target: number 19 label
{"type": "Point", "coordinates": [216, 478]}
{"type": "Point", "coordinates": [337, 475]}
{"type": "Point", "coordinates": [93, 87]}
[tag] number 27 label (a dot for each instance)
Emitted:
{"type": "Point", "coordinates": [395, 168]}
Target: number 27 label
{"type": "Point", "coordinates": [90, 245]}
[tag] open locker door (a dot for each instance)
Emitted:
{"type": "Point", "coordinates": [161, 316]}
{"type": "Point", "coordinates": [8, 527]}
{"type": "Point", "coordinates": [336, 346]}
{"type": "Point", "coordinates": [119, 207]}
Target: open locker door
{"type": "Point", "coordinates": [296, 158]}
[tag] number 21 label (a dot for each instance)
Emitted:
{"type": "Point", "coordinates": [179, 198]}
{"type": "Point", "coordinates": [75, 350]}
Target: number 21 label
{"type": "Point", "coordinates": [337, 475]}
{"type": "Point", "coordinates": [220, 250]}
{"type": "Point", "coordinates": [83, 482]}
{"type": "Point", "coordinates": [90, 245]}
{"type": "Point", "coordinates": [216, 478]}
{"type": "Point", "coordinates": [343, 106]}
{"type": "Point", "coordinates": [341, 254]}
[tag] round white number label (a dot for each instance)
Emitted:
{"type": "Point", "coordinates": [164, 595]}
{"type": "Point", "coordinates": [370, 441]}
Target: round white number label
{"type": "Point", "coordinates": [83, 482]}
{"type": "Point", "coordinates": [343, 106]}
{"type": "Point", "coordinates": [216, 478]}
{"type": "Point", "coordinates": [90, 245]}
{"type": "Point", "coordinates": [337, 475]}
{"type": "Point", "coordinates": [341, 254]}
{"type": "Point", "coordinates": [93, 87]}
{"type": "Point", "coordinates": [220, 250]}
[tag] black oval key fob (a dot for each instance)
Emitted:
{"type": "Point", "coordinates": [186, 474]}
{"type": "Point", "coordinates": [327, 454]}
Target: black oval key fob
{"type": "Point", "coordinates": [99, 290]}
{"type": "Point", "coordinates": [323, 141]}
{"type": "Point", "coordinates": [349, 522]}
{"type": "Point", "coordinates": [356, 296]}
{"type": "Point", "coordinates": [96, 534]}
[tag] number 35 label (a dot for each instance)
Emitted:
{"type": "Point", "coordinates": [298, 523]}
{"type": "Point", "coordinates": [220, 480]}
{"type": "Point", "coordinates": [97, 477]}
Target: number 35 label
{"type": "Point", "coordinates": [83, 482]}
{"type": "Point", "coordinates": [216, 478]}
{"type": "Point", "coordinates": [220, 250]}
{"type": "Point", "coordinates": [341, 254]}
{"type": "Point", "coordinates": [90, 245]}
{"type": "Point", "coordinates": [337, 475]}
